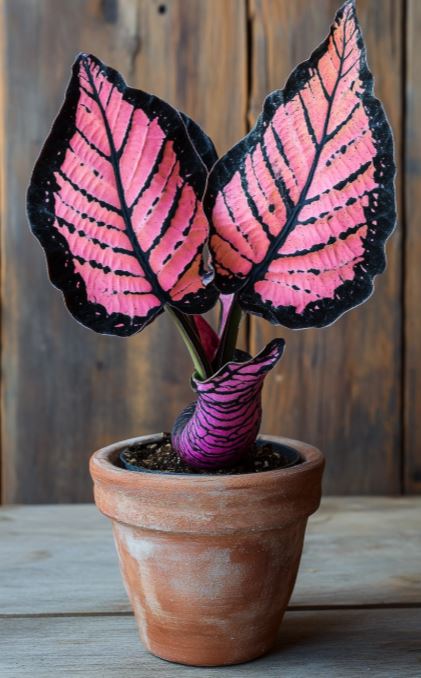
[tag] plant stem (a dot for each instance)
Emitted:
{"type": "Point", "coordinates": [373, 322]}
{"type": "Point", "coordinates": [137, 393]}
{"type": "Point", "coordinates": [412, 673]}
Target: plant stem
{"type": "Point", "coordinates": [229, 337]}
{"type": "Point", "coordinates": [191, 339]}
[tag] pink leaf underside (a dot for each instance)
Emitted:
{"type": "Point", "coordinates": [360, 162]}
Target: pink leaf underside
{"type": "Point", "coordinates": [207, 335]}
{"type": "Point", "coordinates": [115, 200]}
{"type": "Point", "coordinates": [224, 422]}
{"type": "Point", "coordinates": [226, 301]}
{"type": "Point", "coordinates": [301, 207]}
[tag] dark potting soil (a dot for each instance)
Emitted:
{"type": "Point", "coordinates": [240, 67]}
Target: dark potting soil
{"type": "Point", "coordinates": [160, 456]}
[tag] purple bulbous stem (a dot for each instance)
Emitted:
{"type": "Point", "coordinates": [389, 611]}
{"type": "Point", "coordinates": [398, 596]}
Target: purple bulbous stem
{"type": "Point", "coordinates": [221, 426]}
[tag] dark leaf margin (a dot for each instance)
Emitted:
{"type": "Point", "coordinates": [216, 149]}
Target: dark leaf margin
{"type": "Point", "coordinates": [191, 145]}
{"type": "Point", "coordinates": [350, 294]}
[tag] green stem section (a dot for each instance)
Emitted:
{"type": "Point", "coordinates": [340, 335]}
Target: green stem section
{"type": "Point", "coordinates": [191, 339]}
{"type": "Point", "coordinates": [229, 336]}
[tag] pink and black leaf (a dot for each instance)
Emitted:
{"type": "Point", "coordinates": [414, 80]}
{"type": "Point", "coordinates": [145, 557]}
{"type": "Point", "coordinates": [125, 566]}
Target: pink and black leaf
{"type": "Point", "coordinates": [115, 200]}
{"type": "Point", "coordinates": [301, 208]}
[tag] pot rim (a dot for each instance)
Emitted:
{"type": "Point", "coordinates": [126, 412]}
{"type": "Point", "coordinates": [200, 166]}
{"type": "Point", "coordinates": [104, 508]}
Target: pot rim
{"type": "Point", "coordinates": [103, 468]}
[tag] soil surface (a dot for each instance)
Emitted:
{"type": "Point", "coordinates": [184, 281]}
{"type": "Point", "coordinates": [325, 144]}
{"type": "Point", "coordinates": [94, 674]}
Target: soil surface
{"type": "Point", "coordinates": [160, 456]}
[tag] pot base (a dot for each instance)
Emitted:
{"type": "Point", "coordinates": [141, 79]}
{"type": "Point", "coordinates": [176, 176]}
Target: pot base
{"type": "Point", "coordinates": [209, 600]}
{"type": "Point", "coordinates": [204, 661]}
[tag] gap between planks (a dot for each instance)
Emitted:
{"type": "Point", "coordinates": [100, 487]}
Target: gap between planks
{"type": "Point", "coordinates": [294, 608]}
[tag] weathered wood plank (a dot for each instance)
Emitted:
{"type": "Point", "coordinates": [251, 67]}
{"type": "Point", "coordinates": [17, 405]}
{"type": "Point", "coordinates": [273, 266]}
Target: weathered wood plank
{"type": "Point", "coordinates": [338, 388]}
{"type": "Point", "coordinates": [358, 551]}
{"type": "Point", "coordinates": [320, 644]}
{"type": "Point", "coordinates": [362, 551]}
{"type": "Point", "coordinates": [412, 397]}
{"type": "Point", "coordinates": [68, 391]}
{"type": "Point", "coordinates": [58, 559]}
{"type": "Point", "coordinates": [2, 176]}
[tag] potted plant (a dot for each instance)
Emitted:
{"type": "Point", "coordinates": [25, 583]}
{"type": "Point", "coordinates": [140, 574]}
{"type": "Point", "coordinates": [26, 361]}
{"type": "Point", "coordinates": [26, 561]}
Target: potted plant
{"type": "Point", "coordinates": [138, 216]}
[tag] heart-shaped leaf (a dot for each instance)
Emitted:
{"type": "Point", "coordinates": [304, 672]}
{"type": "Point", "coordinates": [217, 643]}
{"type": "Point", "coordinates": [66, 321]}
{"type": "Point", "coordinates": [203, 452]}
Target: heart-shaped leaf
{"type": "Point", "coordinates": [115, 200]}
{"type": "Point", "coordinates": [302, 206]}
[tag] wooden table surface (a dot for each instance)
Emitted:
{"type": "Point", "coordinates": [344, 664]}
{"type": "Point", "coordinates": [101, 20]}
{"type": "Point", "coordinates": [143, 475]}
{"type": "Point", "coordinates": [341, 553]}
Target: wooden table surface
{"type": "Point", "coordinates": [356, 609]}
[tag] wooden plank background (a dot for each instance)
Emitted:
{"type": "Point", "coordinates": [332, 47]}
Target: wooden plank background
{"type": "Point", "coordinates": [350, 388]}
{"type": "Point", "coordinates": [412, 252]}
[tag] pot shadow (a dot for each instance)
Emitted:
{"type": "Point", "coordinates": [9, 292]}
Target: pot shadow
{"type": "Point", "coordinates": [308, 628]}
{"type": "Point", "coordinates": [347, 642]}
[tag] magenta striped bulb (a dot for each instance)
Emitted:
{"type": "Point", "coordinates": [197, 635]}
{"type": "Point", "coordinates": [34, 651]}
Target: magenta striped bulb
{"type": "Point", "coordinates": [220, 427]}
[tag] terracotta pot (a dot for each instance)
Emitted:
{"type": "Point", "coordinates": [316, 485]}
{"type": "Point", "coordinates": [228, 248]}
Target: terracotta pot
{"type": "Point", "coordinates": [209, 562]}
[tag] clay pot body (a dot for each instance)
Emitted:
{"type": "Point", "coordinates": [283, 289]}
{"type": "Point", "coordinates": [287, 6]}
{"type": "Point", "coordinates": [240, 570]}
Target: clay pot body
{"type": "Point", "coordinates": [209, 562]}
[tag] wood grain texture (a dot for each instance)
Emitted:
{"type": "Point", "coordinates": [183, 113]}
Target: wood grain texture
{"type": "Point", "coordinates": [338, 388]}
{"type": "Point", "coordinates": [412, 278]}
{"type": "Point", "coordinates": [66, 390]}
{"type": "Point", "coordinates": [358, 551]}
{"type": "Point", "coordinates": [2, 187]}
{"type": "Point", "coordinates": [320, 644]}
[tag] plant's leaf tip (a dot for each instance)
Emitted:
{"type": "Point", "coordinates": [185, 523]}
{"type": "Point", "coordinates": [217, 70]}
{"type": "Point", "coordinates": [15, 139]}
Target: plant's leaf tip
{"type": "Point", "coordinates": [319, 219]}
